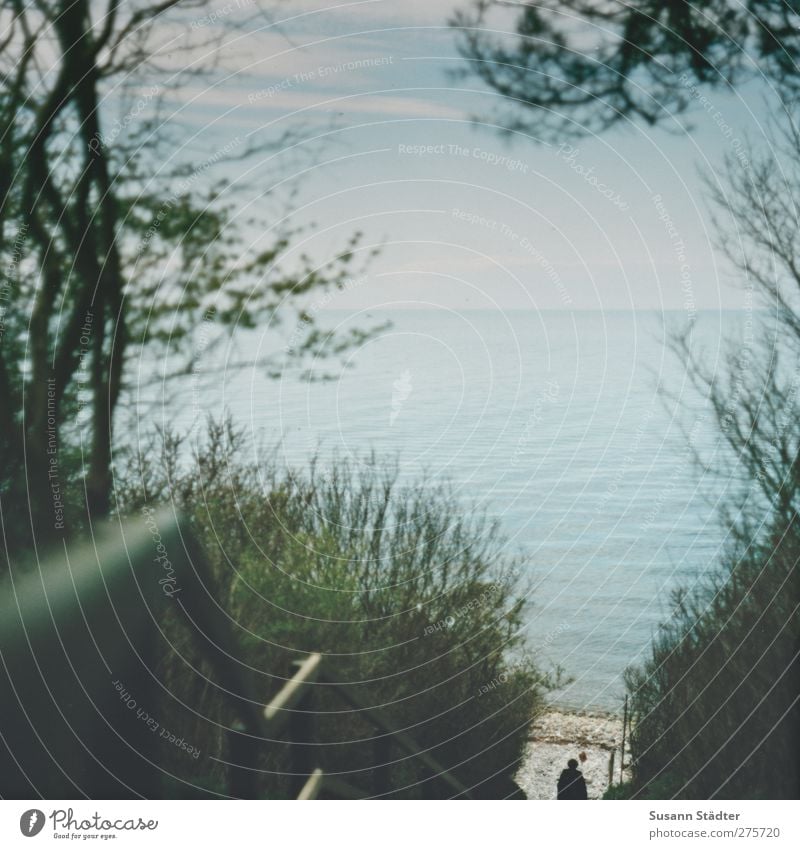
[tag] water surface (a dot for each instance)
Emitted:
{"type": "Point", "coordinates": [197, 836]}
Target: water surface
{"type": "Point", "coordinates": [554, 423]}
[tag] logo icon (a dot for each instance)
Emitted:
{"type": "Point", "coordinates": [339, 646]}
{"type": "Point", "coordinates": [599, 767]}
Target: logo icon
{"type": "Point", "coordinates": [31, 822]}
{"type": "Point", "coordinates": [401, 390]}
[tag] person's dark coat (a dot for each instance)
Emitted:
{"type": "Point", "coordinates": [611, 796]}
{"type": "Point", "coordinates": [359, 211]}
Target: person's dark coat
{"type": "Point", "coordinates": [571, 785]}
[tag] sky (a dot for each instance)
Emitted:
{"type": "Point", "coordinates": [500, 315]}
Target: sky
{"type": "Point", "coordinates": [390, 143]}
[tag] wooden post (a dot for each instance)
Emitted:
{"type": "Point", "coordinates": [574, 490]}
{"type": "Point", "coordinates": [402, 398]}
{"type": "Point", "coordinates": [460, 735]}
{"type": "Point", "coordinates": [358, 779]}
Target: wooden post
{"type": "Point", "coordinates": [622, 749]}
{"type": "Point", "coordinates": [301, 732]}
{"type": "Point", "coordinates": [611, 768]}
{"type": "Point", "coordinates": [242, 757]}
{"type": "Point", "coordinates": [313, 787]}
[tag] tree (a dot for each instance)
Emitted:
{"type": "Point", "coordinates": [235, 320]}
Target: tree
{"type": "Point", "coordinates": [717, 703]}
{"type": "Point", "coordinates": [577, 66]}
{"type": "Point", "coordinates": [716, 706]}
{"type": "Point", "coordinates": [107, 251]}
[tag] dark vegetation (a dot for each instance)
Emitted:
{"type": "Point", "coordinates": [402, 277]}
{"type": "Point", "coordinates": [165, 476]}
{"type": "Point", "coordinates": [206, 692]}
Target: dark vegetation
{"type": "Point", "coordinates": [350, 563]}
{"type": "Point", "coordinates": [415, 606]}
{"type": "Point", "coordinates": [715, 708]}
{"type": "Point", "coordinates": [717, 705]}
{"type": "Point", "coordinates": [94, 208]}
{"type": "Point", "coordinates": [715, 712]}
{"type": "Point", "coordinates": [576, 66]}
{"type": "Point", "coordinates": [114, 254]}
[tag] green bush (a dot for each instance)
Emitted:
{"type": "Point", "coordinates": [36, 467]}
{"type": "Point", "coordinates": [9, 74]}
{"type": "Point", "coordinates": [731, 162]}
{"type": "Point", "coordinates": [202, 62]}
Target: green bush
{"type": "Point", "coordinates": [615, 792]}
{"type": "Point", "coordinates": [412, 603]}
{"type": "Point", "coordinates": [715, 708]}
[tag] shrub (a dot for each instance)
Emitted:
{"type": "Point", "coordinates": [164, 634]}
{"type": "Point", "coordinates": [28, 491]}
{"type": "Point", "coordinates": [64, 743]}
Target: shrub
{"type": "Point", "coordinates": [615, 792]}
{"type": "Point", "coordinates": [715, 708]}
{"type": "Point", "coordinates": [413, 604]}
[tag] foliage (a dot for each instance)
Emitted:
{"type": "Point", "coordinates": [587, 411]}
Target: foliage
{"type": "Point", "coordinates": [715, 710]}
{"type": "Point", "coordinates": [412, 604]}
{"type": "Point", "coordinates": [112, 244]}
{"type": "Point", "coordinates": [716, 705]}
{"type": "Point", "coordinates": [615, 792]}
{"type": "Point", "coordinates": [577, 66]}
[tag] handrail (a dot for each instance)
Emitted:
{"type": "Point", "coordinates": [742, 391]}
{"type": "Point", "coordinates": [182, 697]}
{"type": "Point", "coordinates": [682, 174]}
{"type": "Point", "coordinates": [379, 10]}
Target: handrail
{"type": "Point", "coordinates": [79, 639]}
{"type": "Point", "coordinates": [320, 782]}
{"type": "Point", "coordinates": [298, 688]}
{"type": "Point", "coordinates": [278, 711]}
{"type": "Point", "coordinates": [312, 787]}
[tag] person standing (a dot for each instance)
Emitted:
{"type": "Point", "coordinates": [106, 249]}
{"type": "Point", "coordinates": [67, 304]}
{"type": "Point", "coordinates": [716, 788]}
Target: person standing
{"type": "Point", "coordinates": [571, 783]}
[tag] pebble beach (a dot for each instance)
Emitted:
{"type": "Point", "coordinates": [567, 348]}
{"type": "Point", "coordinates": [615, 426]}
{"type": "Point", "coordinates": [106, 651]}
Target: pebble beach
{"type": "Point", "coordinates": [556, 736]}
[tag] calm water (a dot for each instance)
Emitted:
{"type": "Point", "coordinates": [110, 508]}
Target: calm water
{"type": "Point", "coordinates": [555, 424]}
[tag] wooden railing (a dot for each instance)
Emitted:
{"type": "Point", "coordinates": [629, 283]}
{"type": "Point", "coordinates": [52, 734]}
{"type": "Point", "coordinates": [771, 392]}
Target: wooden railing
{"type": "Point", "coordinates": [80, 638]}
{"type": "Point", "coordinates": [293, 707]}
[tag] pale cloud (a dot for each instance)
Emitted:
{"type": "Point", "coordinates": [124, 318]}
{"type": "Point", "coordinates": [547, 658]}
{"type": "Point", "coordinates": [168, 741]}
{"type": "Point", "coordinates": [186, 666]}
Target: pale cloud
{"type": "Point", "coordinates": [272, 57]}
{"type": "Point", "coordinates": [393, 105]}
{"type": "Point", "coordinates": [305, 104]}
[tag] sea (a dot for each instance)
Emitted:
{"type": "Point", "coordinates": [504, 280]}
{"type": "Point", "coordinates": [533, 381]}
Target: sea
{"type": "Point", "coordinates": [579, 431]}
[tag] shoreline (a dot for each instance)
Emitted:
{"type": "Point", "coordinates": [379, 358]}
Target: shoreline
{"type": "Point", "coordinates": [558, 734]}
